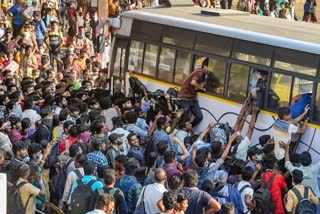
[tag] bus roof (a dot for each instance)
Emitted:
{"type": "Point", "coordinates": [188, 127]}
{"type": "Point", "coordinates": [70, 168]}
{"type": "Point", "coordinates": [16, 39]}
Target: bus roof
{"type": "Point", "coordinates": [277, 32]}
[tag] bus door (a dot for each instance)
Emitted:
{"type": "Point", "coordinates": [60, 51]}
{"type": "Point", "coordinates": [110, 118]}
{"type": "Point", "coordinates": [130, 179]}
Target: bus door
{"type": "Point", "coordinates": [118, 64]}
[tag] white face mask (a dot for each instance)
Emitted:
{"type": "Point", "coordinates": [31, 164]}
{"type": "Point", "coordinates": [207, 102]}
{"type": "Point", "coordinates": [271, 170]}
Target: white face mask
{"type": "Point", "coordinates": [95, 18]}
{"type": "Point", "coordinates": [71, 49]}
{"type": "Point", "coordinates": [39, 157]}
{"type": "Point", "coordinates": [41, 50]}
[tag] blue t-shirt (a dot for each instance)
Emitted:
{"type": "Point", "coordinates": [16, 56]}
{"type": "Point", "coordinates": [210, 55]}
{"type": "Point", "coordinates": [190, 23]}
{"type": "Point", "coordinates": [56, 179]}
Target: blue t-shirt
{"type": "Point", "coordinates": [298, 108]}
{"type": "Point", "coordinates": [16, 10]}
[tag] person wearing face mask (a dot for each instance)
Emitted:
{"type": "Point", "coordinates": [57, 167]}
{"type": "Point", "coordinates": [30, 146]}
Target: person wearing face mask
{"type": "Point", "coordinates": [255, 157]}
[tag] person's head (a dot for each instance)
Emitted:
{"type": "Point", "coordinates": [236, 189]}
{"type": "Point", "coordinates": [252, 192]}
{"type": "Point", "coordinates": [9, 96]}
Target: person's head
{"type": "Point", "coordinates": [256, 5]}
{"type": "Point", "coordinates": [170, 157]}
{"type": "Point", "coordinates": [247, 173]}
{"type": "Point", "coordinates": [133, 140]}
{"type": "Point", "coordinates": [205, 64]}
{"type": "Point", "coordinates": [8, 35]}
{"type": "Point", "coordinates": [201, 160]}
{"type": "Point", "coordinates": [105, 202]}
{"type": "Point", "coordinates": [161, 121]}
{"type": "Point", "coordinates": [269, 161]}
{"type": "Point", "coordinates": [28, 103]}
{"type": "Point", "coordinates": [284, 113]}
{"type": "Point", "coordinates": [109, 177]}
{"type": "Point", "coordinates": [297, 177]}
{"type": "Point", "coordinates": [20, 149]}
{"type": "Point", "coordinates": [73, 131]}
{"type": "Point", "coordinates": [89, 168]}
{"type": "Point", "coordinates": [207, 186]}
{"type": "Point", "coordinates": [54, 25]}
{"type": "Point", "coordinates": [75, 149]}
{"type": "Point", "coordinates": [115, 139]}
{"type": "Point", "coordinates": [227, 208]}
{"type": "Point", "coordinates": [35, 151]}
{"type": "Point", "coordinates": [28, 50]}
{"type": "Point", "coordinates": [268, 149]}
{"type": "Point", "coordinates": [74, 111]}
{"type": "Point", "coordinates": [97, 127]}
{"type": "Point", "coordinates": [130, 168]}
{"type": "Point", "coordinates": [24, 171]}
{"type": "Point", "coordinates": [79, 160]}
{"type": "Point", "coordinates": [305, 158]}
{"type": "Point", "coordinates": [220, 177]}
{"type": "Point", "coordinates": [190, 178]}
{"type": "Point", "coordinates": [254, 154]}
{"type": "Point", "coordinates": [160, 176]}
{"type": "Point", "coordinates": [121, 160]}
{"type": "Point", "coordinates": [175, 182]}
{"type": "Point", "coordinates": [169, 200]}
{"type": "Point", "coordinates": [185, 125]}
{"type": "Point", "coordinates": [131, 117]}
{"type": "Point", "coordinates": [99, 144]}
{"type": "Point", "coordinates": [36, 15]}
{"type": "Point", "coordinates": [282, 5]}
{"type": "Point", "coordinates": [182, 203]}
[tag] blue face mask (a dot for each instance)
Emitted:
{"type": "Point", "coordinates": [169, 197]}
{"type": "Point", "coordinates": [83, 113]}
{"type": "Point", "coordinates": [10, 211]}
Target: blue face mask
{"type": "Point", "coordinates": [260, 157]}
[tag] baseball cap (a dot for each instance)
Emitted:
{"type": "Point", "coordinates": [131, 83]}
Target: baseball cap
{"type": "Point", "coordinates": [114, 136]}
{"type": "Point", "coordinates": [221, 176]}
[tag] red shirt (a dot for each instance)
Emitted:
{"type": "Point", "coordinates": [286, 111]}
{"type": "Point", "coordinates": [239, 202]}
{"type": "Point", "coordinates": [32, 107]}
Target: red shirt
{"type": "Point", "coordinates": [72, 140]}
{"type": "Point", "coordinates": [276, 188]}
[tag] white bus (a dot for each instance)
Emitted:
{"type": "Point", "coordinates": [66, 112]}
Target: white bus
{"type": "Point", "coordinates": [163, 45]}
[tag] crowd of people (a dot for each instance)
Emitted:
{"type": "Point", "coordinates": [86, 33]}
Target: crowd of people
{"type": "Point", "coordinates": [65, 139]}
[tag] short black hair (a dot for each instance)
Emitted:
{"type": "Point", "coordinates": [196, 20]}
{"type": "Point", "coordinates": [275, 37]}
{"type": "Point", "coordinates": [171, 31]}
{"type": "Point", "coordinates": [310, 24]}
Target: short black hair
{"type": "Point", "coordinates": [190, 178]}
{"type": "Point", "coordinates": [169, 156]}
{"type": "Point", "coordinates": [305, 158]}
{"type": "Point", "coordinates": [169, 200]}
{"type": "Point", "coordinates": [74, 149]}
{"type": "Point", "coordinates": [109, 176]}
{"type": "Point", "coordinates": [247, 173]}
{"type": "Point", "coordinates": [89, 167]}
{"type": "Point", "coordinates": [174, 181]}
{"type": "Point", "coordinates": [297, 176]}
{"type": "Point", "coordinates": [103, 200]}
{"type": "Point", "coordinates": [201, 159]}
{"type": "Point", "coordinates": [269, 161]}
{"type": "Point", "coordinates": [130, 168]}
{"type": "Point", "coordinates": [18, 146]}
{"type": "Point", "coordinates": [283, 111]}
{"type": "Point", "coordinates": [227, 208]}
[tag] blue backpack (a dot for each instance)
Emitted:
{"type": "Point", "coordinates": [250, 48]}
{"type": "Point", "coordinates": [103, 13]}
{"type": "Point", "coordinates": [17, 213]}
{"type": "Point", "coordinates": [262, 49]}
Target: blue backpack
{"type": "Point", "coordinates": [304, 206]}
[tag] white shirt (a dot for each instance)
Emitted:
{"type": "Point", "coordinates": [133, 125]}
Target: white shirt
{"type": "Point", "coordinates": [282, 137]}
{"type": "Point", "coordinates": [32, 115]}
{"type": "Point", "coordinates": [96, 211]}
{"type": "Point", "coordinates": [242, 150]}
{"type": "Point", "coordinates": [152, 194]}
{"type": "Point", "coordinates": [71, 178]}
{"type": "Point", "coordinates": [246, 191]}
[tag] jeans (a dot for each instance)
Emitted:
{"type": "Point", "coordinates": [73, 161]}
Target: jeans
{"type": "Point", "coordinates": [194, 107]}
{"type": "Point", "coordinates": [39, 41]}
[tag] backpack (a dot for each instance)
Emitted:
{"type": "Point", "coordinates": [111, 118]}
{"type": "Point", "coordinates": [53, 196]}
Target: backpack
{"type": "Point", "coordinates": [81, 196]}
{"type": "Point", "coordinates": [58, 181]}
{"type": "Point", "coordinates": [304, 206]}
{"type": "Point", "coordinates": [15, 205]}
{"type": "Point", "coordinates": [262, 197]}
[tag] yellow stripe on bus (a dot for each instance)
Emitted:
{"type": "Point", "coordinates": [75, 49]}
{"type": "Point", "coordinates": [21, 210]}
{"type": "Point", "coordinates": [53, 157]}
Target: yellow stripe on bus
{"type": "Point", "coordinates": [212, 97]}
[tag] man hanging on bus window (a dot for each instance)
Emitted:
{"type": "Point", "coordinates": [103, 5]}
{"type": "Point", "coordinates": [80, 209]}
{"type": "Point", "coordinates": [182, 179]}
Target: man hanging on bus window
{"type": "Point", "coordinates": [188, 93]}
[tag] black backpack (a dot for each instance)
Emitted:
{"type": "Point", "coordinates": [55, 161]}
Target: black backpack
{"type": "Point", "coordinates": [304, 206]}
{"type": "Point", "coordinates": [135, 85]}
{"type": "Point", "coordinates": [58, 182]}
{"type": "Point", "coordinates": [15, 205]}
{"type": "Point", "coordinates": [81, 197]}
{"type": "Point", "coordinates": [262, 197]}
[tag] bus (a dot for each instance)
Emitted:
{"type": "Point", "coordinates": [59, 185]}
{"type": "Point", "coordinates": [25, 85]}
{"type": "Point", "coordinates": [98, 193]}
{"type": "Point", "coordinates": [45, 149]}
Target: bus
{"type": "Point", "coordinates": [163, 45]}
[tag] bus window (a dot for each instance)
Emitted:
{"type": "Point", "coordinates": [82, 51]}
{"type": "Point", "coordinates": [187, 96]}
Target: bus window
{"type": "Point", "coordinates": [213, 44]}
{"type": "Point", "coordinates": [279, 94]}
{"type": "Point", "coordinates": [238, 82]}
{"type": "Point", "coordinates": [252, 52]}
{"type": "Point", "coordinates": [296, 61]}
{"type": "Point", "coordinates": [146, 31]}
{"type": "Point", "coordinates": [216, 76]}
{"type": "Point", "coordinates": [178, 37]}
{"type": "Point", "coordinates": [183, 64]}
{"type": "Point", "coordinates": [301, 86]}
{"type": "Point", "coordinates": [316, 112]}
{"type": "Point", "coordinates": [135, 56]}
{"type": "Point", "coordinates": [166, 64]}
{"type": "Point", "coordinates": [150, 60]}
{"type": "Point", "coordinates": [119, 62]}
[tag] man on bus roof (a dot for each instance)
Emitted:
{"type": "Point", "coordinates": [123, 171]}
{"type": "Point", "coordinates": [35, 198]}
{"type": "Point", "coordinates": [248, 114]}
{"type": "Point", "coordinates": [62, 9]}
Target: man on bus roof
{"type": "Point", "coordinates": [188, 93]}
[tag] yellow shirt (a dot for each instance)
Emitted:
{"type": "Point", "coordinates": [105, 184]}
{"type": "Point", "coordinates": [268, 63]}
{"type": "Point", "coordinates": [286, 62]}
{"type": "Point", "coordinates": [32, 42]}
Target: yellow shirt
{"type": "Point", "coordinates": [25, 191]}
{"type": "Point", "coordinates": [292, 200]}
